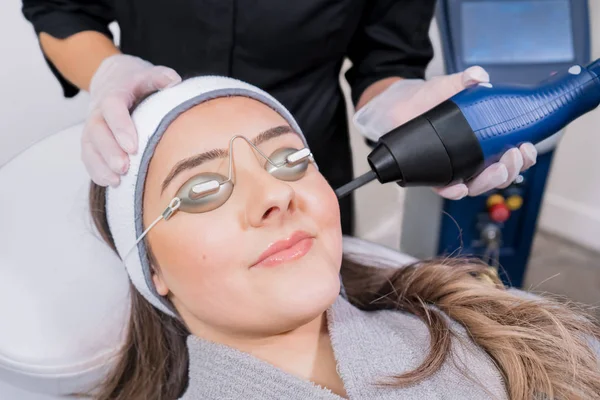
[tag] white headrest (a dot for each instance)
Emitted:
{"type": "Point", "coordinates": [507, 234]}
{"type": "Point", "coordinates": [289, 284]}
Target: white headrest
{"type": "Point", "coordinates": [63, 292]}
{"type": "Point", "coordinates": [369, 253]}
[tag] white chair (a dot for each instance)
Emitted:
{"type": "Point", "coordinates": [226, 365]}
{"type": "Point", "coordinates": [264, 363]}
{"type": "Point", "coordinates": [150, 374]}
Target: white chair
{"type": "Point", "coordinates": [63, 292]}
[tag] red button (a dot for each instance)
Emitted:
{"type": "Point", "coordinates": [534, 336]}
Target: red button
{"type": "Point", "coordinates": [499, 212]}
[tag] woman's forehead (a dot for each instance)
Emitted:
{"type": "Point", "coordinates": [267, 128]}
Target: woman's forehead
{"type": "Point", "coordinates": [220, 119]}
{"type": "Point", "coordinates": [209, 127]}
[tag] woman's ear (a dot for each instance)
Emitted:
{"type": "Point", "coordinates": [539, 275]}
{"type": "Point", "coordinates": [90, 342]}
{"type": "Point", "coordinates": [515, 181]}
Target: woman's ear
{"type": "Point", "coordinates": [159, 283]}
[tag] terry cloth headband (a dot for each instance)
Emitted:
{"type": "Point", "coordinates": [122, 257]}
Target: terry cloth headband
{"type": "Point", "coordinates": [151, 119]}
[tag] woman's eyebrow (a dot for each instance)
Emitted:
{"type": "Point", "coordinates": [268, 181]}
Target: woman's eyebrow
{"type": "Point", "coordinates": [199, 159]}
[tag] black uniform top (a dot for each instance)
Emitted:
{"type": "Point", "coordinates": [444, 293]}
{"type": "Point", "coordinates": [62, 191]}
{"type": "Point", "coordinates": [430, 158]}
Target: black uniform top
{"type": "Point", "coordinates": [292, 49]}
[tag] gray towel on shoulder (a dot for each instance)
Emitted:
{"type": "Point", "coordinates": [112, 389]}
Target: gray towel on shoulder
{"type": "Point", "coordinates": [368, 346]}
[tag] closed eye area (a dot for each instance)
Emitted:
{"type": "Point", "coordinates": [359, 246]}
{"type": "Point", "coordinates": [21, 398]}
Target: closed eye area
{"type": "Point", "coordinates": [199, 159]}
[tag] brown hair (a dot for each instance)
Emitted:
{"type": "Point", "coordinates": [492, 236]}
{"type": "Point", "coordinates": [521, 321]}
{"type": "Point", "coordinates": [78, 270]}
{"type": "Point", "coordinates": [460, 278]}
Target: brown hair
{"type": "Point", "coordinates": [541, 346]}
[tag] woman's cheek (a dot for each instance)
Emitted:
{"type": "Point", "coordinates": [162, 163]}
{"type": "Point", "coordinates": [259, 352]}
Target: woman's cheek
{"type": "Point", "coordinates": [187, 245]}
{"type": "Point", "coordinates": [323, 203]}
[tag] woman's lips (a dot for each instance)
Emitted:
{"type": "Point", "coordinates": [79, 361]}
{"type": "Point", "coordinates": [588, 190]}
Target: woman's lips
{"type": "Point", "coordinates": [292, 248]}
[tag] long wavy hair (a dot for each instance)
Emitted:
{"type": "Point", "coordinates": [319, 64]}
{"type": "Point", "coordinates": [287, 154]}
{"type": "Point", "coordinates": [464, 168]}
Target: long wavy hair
{"type": "Point", "coordinates": [541, 346]}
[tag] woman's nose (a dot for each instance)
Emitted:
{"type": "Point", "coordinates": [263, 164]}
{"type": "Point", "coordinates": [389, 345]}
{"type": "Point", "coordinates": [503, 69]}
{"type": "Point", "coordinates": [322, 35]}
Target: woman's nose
{"type": "Point", "coordinates": [270, 200]}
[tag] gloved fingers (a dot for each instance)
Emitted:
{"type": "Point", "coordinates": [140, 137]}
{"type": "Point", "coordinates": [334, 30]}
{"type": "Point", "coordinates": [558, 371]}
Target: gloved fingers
{"type": "Point", "coordinates": [453, 192]}
{"type": "Point", "coordinates": [115, 107]}
{"type": "Point", "coordinates": [493, 176]}
{"type": "Point", "coordinates": [513, 160]}
{"type": "Point", "coordinates": [115, 111]}
{"type": "Point", "coordinates": [529, 153]}
{"type": "Point", "coordinates": [154, 79]}
{"type": "Point", "coordinates": [99, 172]}
{"type": "Point", "coordinates": [498, 175]}
{"type": "Point", "coordinates": [105, 144]}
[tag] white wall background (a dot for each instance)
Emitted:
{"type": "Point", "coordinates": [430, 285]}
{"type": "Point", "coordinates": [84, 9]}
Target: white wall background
{"type": "Point", "coordinates": [32, 107]}
{"type": "Point", "coordinates": [31, 101]}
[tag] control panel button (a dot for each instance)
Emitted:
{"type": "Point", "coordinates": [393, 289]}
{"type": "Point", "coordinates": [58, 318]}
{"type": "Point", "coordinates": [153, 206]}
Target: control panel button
{"type": "Point", "coordinates": [514, 202]}
{"type": "Point", "coordinates": [575, 70]}
{"type": "Point", "coordinates": [494, 199]}
{"type": "Point", "coordinates": [499, 212]}
{"type": "Point", "coordinates": [519, 179]}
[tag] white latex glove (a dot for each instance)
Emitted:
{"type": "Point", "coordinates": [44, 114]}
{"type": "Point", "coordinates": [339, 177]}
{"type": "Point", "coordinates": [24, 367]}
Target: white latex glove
{"type": "Point", "coordinates": [409, 98]}
{"type": "Point", "coordinates": [109, 134]}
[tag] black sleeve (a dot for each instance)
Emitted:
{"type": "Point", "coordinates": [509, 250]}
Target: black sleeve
{"type": "Point", "coordinates": [64, 18]}
{"type": "Point", "coordinates": [391, 40]}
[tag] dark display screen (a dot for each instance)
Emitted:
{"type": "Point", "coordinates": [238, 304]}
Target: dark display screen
{"type": "Point", "coordinates": [508, 32]}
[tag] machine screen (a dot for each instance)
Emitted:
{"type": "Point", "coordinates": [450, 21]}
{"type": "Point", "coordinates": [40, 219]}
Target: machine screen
{"type": "Point", "coordinates": [508, 32]}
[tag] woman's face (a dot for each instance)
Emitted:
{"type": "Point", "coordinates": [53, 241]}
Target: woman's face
{"type": "Point", "coordinates": [208, 263]}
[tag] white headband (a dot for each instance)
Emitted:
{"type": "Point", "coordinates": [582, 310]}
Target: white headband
{"type": "Point", "coordinates": [151, 118]}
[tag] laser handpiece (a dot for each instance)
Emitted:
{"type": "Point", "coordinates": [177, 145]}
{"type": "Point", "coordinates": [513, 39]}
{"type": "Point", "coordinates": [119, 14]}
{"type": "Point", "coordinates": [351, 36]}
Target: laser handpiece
{"type": "Point", "coordinates": [458, 138]}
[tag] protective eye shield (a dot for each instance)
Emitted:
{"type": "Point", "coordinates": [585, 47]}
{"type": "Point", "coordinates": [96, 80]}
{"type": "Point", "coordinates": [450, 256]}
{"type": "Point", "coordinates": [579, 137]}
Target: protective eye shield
{"type": "Point", "coordinates": [208, 191]}
{"type": "Point", "coordinates": [151, 119]}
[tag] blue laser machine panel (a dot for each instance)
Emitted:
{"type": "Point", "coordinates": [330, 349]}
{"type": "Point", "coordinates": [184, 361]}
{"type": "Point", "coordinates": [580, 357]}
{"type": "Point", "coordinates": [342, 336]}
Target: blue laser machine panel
{"type": "Point", "coordinates": [516, 42]}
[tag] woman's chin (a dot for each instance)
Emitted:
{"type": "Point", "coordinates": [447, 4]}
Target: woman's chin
{"type": "Point", "coordinates": [307, 298]}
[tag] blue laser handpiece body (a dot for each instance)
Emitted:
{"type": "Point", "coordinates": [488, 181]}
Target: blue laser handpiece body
{"type": "Point", "coordinates": [504, 116]}
{"type": "Point", "coordinates": [457, 139]}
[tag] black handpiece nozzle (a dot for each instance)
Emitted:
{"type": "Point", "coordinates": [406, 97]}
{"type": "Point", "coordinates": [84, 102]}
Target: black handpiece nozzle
{"type": "Point", "coordinates": [436, 148]}
{"type": "Point", "coordinates": [433, 149]}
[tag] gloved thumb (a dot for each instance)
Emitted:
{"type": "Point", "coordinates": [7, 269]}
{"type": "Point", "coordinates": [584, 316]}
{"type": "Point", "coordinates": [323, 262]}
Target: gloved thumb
{"type": "Point", "coordinates": [474, 75]}
{"type": "Point", "coordinates": [454, 83]}
{"type": "Point", "coordinates": [156, 78]}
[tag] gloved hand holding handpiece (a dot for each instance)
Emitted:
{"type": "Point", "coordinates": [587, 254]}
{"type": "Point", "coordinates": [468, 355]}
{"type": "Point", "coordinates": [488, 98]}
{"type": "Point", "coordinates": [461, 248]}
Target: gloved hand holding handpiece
{"type": "Point", "coordinates": [467, 135]}
{"type": "Point", "coordinates": [409, 98]}
{"type": "Point", "coordinates": [109, 134]}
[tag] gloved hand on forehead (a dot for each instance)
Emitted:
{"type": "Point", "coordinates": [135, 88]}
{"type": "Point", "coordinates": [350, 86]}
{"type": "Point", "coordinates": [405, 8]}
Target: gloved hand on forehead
{"type": "Point", "coordinates": [409, 98]}
{"type": "Point", "coordinates": [109, 134]}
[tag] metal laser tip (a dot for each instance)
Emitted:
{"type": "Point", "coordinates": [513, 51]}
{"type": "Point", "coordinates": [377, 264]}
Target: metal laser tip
{"type": "Point", "coordinates": [354, 184]}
